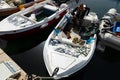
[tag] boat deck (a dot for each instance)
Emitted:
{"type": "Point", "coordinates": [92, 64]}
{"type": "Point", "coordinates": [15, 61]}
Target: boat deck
{"type": "Point", "coordinates": [5, 57]}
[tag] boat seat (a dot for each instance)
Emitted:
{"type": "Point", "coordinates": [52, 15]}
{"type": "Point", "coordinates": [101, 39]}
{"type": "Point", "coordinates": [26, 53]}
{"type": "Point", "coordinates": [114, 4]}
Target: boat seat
{"type": "Point", "coordinates": [28, 18]}
{"type": "Point", "coordinates": [33, 17]}
{"type": "Point", "coordinates": [50, 7]}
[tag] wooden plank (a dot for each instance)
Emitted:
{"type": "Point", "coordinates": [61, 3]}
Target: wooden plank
{"type": "Point", "coordinates": [5, 57]}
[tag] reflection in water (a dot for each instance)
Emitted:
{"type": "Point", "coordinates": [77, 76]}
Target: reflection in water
{"type": "Point", "coordinates": [32, 61]}
{"type": "Point", "coordinates": [20, 45]}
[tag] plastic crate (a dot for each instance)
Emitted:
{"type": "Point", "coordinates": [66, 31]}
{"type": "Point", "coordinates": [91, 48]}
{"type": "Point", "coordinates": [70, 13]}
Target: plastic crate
{"type": "Point", "coordinates": [116, 27]}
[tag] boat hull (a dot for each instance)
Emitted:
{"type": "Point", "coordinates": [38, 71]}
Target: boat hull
{"type": "Point", "coordinates": [9, 11]}
{"type": "Point", "coordinates": [29, 32]}
{"type": "Point", "coordinates": [110, 41]}
{"type": "Point", "coordinates": [71, 71]}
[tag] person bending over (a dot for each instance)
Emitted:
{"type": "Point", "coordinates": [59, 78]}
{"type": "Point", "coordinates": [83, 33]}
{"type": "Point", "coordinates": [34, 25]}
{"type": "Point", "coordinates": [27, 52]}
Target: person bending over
{"type": "Point", "coordinates": [79, 13]}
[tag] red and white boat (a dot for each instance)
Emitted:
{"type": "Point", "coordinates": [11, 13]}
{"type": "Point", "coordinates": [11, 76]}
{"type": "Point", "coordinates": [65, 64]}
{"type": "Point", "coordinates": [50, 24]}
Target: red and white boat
{"type": "Point", "coordinates": [31, 20]}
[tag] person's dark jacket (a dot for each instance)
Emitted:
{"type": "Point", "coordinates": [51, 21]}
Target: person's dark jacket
{"type": "Point", "coordinates": [80, 13]}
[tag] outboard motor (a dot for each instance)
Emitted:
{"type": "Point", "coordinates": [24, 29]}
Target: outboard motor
{"type": "Point", "coordinates": [108, 21]}
{"type": "Point", "coordinates": [110, 16]}
{"type": "Point", "coordinates": [90, 23]}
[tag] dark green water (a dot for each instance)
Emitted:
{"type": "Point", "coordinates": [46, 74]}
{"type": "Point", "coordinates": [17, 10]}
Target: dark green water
{"type": "Point", "coordinates": [27, 52]}
{"type": "Point", "coordinates": [102, 6]}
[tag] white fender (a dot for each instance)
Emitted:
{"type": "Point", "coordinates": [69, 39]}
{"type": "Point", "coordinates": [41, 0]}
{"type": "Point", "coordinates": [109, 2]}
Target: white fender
{"type": "Point", "coordinates": [44, 25]}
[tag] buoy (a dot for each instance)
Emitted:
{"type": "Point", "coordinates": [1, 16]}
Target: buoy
{"type": "Point", "coordinates": [21, 7]}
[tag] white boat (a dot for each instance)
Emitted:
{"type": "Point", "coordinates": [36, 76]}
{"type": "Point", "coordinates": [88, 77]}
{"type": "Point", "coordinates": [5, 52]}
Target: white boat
{"type": "Point", "coordinates": [110, 29]}
{"type": "Point", "coordinates": [31, 20]}
{"type": "Point", "coordinates": [8, 7]}
{"type": "Point", "coordinates": [63, 55]}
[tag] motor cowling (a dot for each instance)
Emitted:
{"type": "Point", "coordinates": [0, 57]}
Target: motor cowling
{"type": "Point", "coordinates": [112, 11]}
{"type": "Point", "coordinates": [110, 15]}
